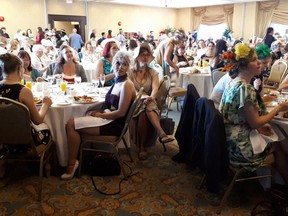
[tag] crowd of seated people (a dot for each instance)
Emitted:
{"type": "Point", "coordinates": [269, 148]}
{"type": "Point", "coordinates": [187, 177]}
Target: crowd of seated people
{"type": "Point", "coordinates": [170, 54]}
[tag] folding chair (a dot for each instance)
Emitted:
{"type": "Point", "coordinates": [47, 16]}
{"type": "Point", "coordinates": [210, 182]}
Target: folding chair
{"type": "Point", "coordinates": [109, 144]}
{"type": "Point", "coordinates": [16, 130]}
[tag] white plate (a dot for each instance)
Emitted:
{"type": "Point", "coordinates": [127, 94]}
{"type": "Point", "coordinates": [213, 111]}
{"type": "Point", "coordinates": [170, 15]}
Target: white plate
{"type": "Point", "coordinates": [63, 103]}
{"type": "Point", "coordinates": [271, 104]}
{"type": "Point", "coordinates": [280, 118]}
{"type": "Point", "coordinates": [83, 102]}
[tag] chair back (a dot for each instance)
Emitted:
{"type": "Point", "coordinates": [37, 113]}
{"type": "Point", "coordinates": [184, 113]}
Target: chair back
{"type": "Point", "coordinates": [131, 112]}
{"type": "Point", "coordinates": [216, 75]}
{"type": "Point", "coordinates": [16, 124]}
{"type": "Point", "coordinates": [278, 71]}
{"type": "Point", "coordinates": [163, 91]}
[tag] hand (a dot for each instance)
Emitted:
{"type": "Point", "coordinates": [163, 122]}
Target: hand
{"type": "Point", "coordinates": [47, 101]}
{"type": "Point", "coordinates": [96, 114]}
{"type": "Point", "coordinates": [148, 100]}
{"type": "Point", "coordinates": [265, 130]}
{"type": "Point", "coordinates": [283, 107]}
{"type": "Point", "coordinates": [39, 79]}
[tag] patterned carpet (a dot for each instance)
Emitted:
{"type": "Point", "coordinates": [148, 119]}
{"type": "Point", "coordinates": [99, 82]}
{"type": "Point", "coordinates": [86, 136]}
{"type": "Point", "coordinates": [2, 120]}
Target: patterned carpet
{"type": "Point", "coordinates": [161, 187]}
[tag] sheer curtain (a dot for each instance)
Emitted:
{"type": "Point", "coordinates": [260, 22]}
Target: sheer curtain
{"type": "Point", "coordinates": [198, 14]}
{"type": "Point", "coordinates": [265, 14]}
{"type": "Point", "coordinates": [213, 19]}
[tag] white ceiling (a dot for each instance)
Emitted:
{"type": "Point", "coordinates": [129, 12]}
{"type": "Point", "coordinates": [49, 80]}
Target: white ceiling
{"type": "Point", "coordinates": [173, 3]}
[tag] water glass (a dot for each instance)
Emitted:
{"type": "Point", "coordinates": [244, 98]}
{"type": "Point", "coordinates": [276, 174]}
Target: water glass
{"type": "Point", "coordinates": [78, 80]}
{"type": "Point", "coordinates": [102, 79]}
{"type": "Point", "coordinates": [50, 79]}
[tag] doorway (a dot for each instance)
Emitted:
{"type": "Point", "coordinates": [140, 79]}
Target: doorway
{"type": "Point", "coordinates": [68, 23]}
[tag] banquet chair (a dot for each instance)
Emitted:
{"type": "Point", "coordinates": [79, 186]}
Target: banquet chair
{"type": "Point", "coordinates": [109, 144]}
{"type": "Point", "coordinates": [174, 93]}
{"type": "Point", "coordinates": [15, 134]}
{"type": "Point", "coordinates": [142, 119]}
{"type": "Point", "coordinates": [277, 74]}
{"type": "Point", "coordinates": [216, 75]}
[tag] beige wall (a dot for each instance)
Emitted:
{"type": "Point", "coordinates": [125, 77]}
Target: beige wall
{"type": "Point", "coordinates": [103, 17]}
{"type": "Point", "coordinates": [22, 15]}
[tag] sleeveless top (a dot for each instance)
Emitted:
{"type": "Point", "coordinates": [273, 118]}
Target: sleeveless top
{"type": "Point", "coordinates": [107, 70]}
{"type": "Point", "coordinates": [11, 91]}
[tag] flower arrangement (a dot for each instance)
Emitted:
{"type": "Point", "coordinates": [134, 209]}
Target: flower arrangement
{"type": "Point", "coordinates": [243, 51]}
{"type": "Point", "coordinates": [229, 60]}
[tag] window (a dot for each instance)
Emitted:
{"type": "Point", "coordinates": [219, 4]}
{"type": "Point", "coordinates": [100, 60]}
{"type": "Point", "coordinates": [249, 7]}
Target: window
{"type": "Point", "coordinates": [211, 31]}
{"type": "Point", "coordinates": [279, 28]}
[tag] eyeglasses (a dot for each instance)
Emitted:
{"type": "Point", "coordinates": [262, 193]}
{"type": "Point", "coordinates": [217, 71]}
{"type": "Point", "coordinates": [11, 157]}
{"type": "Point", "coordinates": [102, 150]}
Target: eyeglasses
{"type": "Point", "coordinates": [118, 63]}
{"type": "Point", "coordinates": [144, 55]}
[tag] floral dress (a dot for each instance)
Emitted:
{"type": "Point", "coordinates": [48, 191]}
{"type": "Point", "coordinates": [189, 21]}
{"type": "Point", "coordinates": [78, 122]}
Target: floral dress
{"type": "Point", "coordinates": [237, 128]}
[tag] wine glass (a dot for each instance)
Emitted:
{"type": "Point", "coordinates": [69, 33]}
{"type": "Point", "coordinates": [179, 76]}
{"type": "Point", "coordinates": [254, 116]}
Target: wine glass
{"type": "Point", "coordinates": [95, 82]}
{"type": "Point", "coordinates": [78, 79]}
{"type": "Point", "coordinates": [29, 84]}
{"type": "Point", "coordinates": [50, 79]}
{"type": "Point", "coordinates": [102, 79]}
{"type": "Point", "coordinates": [63, 87]}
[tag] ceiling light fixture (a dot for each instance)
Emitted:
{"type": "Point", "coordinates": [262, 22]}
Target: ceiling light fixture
{"type": "Point", "coordinates": [166, 2]}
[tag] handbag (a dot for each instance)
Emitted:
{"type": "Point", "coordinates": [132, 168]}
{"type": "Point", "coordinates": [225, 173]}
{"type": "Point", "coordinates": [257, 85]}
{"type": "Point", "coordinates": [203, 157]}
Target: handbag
{"type": "Point", "coordinates": [104, 164]}
{"type": "Point", "coordinates": [167, 125]}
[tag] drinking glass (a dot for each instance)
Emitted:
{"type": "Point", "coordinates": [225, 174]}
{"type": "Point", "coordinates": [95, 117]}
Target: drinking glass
{"type": "Point", "coordinates": [205, 63]}
{"type": "Point", "coordinates": [50, 79]}
{"type": "Point", "coordinates": [78, 80]}
{"type": "Point", "coordinates": [102, 79]}
{"type": "Point", "coordinates": [22, 81]}
{"type": "Point", "coordinates": [63, 87]}
{"type": "Point", "coordinates": [29, 84]}
{"type": "Point", "coordinates": [95, 83]}
{"type": "Point", "coordinates": [199, 63]}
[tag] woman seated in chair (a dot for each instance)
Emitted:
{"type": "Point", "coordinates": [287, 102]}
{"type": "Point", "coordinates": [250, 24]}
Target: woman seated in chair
{"type": "Point", "coordinates": [243, 110]}
{"type": "Point", "coordinates": [13, 70]}
{"type": "Point", "coordinates": [118, 100]}
{"type": "Point", "coordinates": [143, 76]}
{"type": "Point", "coordinates": [67, 66]}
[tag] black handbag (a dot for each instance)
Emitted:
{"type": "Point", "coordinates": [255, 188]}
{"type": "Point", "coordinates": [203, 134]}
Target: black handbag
{"type": "Point", "coordinates": [104, 164]}
{"type": "Point", "coordinates": [167, 125]}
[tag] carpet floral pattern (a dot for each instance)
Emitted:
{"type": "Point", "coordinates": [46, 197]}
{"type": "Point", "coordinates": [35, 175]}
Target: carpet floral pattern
{"type": "Point", "coordinates": [160, 187]}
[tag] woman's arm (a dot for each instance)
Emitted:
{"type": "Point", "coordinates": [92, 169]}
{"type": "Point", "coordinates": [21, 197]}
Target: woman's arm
{"type": "Point", "coordinates": [127, 93]}
{"type": "Point", "coordinates": [167, 54]}
{"type": "Point", "coordinates": [255, 121]}
{"type": "Point", "coordinates": [26, 98]}
{"type": "Point", "coordinates": [99, 68]}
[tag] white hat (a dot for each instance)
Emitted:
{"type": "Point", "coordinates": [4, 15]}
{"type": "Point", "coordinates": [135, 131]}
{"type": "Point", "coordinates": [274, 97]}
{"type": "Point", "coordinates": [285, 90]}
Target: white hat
{"type": "Point", "coordinates": [144, 46]}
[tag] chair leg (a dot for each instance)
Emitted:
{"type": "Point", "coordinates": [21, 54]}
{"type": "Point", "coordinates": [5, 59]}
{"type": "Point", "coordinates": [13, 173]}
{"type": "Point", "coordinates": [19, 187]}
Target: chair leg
{"type": "Point", "coordinates": [170, 99]}
{"type": "Point", "coordinates": [227, 192]}
{"type": "Point", "coordinates": [121, 164]}
{"type": "Point", "coordinates": [127, 149]}
{"type": "Point", "coordinates": [80, 162]}
{"type": "Point", "coordinates": [40, 177]}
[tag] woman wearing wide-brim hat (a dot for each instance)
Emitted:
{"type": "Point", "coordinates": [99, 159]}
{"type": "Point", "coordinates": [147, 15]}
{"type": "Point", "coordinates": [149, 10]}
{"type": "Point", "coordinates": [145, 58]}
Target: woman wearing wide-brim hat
{"type": "Point", "coordinates": [146, 77]}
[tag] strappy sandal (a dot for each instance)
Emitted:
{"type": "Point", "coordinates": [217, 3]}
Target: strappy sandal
{"type": "Point", "coordinates": [163, 138]}
{"type": "Point", "coordinates": [142, 155]}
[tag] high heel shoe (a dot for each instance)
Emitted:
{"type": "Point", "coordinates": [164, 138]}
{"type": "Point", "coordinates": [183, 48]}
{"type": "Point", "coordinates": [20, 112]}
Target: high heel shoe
{"type": "Point", "coordinates": [69, 176]}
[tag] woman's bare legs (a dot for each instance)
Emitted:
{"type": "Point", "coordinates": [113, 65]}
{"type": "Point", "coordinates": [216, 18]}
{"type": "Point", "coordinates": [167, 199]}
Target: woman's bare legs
{"type": "Point", "coordinates": [74, 141]}
{"type": "Point", "coordinates": [154, 119]}
{"type": "Point", "coordinates": [142, 134]}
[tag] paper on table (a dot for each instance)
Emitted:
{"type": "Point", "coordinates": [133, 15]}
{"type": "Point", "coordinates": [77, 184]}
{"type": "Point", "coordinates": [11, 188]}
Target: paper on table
{"type": "Point", "coordinates": [90, 121]}
{"type": "Point", "coordinates": [259, 141]}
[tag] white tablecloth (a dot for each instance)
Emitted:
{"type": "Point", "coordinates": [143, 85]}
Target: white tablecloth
{"type": "Point", "coordinates": [201, 81]}
{"type": "Point", "coordinates": [56, 118]}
